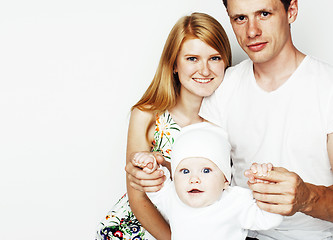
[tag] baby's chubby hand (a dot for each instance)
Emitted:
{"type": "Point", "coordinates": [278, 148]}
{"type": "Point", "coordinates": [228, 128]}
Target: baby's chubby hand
{"type": "Point", "coordinates": [258, 170]}
{"type": "Point", "coordinates": [146, 161]}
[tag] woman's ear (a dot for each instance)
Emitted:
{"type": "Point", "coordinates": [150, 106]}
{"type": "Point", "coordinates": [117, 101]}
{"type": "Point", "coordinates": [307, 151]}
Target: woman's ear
{"type": "Point", "coordinates": [226, 184]}
{"type": "Point", "coordinates": [175, 69]}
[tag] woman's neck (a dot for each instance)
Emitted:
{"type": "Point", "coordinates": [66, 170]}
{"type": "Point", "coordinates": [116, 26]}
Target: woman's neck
{"type": "Point", "coordinates": [186, 111]}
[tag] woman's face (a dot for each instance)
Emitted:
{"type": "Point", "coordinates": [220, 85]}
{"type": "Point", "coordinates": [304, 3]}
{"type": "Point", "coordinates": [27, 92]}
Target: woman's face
{"type": "Point", "coordinates": [200, 68]}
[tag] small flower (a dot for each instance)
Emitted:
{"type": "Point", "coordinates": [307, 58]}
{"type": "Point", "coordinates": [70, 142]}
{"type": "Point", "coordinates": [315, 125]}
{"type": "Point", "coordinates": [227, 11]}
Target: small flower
{"type": "Point", "coordinates": [135, 229]}
{"type": "Point", "coordinates": [162, 126]}
{"type": "Point", "coordinates": [118, 234]}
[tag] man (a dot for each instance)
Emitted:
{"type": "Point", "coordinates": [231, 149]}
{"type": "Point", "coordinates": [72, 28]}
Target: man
{"type": "Point", "coordinates": [278, 107]}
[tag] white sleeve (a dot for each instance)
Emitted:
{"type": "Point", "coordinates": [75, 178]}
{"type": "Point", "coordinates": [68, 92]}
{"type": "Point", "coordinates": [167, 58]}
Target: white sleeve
{"type": "Point", "coordinates": [252, 217]}
{"type": "Point", "coordinates": [330, 115]}
{"type": "Point", "coordinates": [161, 198]}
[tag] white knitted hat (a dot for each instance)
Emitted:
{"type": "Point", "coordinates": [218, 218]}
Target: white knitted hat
{"type": "Point", "coordinates": [203, 140]}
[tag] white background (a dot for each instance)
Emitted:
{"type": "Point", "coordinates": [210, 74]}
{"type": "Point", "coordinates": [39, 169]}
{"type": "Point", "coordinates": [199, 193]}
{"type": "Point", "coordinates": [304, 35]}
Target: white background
{"type": "Point", "coordinates": [69, 72]}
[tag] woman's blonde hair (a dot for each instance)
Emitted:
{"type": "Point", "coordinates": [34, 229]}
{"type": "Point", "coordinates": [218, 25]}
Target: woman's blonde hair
{"type": "Point", "coordinates": [165, 87]}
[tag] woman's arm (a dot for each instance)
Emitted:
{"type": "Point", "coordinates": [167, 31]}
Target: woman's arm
{"type": "Point", "coordinates": [140, 135]}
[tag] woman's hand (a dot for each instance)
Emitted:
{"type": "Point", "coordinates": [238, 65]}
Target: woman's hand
{"type": "Point", "coordinates": [141, 180]}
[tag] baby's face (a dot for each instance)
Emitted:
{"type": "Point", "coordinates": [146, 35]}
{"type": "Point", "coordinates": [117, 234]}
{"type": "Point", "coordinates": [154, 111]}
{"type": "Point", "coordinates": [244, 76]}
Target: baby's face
{"type": "Point", "coordinates": [198, 182]}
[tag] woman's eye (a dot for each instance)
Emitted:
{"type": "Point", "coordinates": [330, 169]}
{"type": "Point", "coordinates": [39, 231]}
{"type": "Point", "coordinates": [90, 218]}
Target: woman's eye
{"type": "Point", "coordinates": [185, 171]}
{"type": "Point", "coordinates": [216, 58]}
{"type": "Point", "coordinates": [206, 170]}
{"type": "Point", "coordinates": [192, 59]}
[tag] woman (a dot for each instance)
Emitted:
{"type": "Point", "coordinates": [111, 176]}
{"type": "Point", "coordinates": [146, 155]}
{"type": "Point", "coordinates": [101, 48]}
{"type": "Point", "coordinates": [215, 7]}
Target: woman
{"type": "Point", "coordinates": [191, 67]}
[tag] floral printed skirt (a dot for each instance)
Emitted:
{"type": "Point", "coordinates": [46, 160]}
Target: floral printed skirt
{"type": "Point", "coordinates": [121, 224]}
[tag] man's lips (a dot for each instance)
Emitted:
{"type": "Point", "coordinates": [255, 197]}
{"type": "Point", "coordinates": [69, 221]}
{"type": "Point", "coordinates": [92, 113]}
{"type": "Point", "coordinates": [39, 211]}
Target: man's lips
{"type": "Point", "coordinates": [256, 47]}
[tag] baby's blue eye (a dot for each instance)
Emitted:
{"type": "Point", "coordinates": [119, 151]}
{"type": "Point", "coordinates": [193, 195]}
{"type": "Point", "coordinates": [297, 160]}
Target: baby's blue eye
{"type": "Point", "coordinates": [206, 170]}
{"type": "Point", "coordinates": [185, 171]}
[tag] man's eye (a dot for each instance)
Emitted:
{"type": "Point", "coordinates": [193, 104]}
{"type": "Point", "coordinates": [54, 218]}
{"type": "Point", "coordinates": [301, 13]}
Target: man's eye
{"type": "Point", "coordinates": [240, 19]}
{"type": "Point", "coordinates": [185, 171]}
{"type": "Point", "coordinates": [206, 170]}
{"type": "Point", "coordinates": [265, 14]}
{"type": "Point", "coordinates": [192, 59]}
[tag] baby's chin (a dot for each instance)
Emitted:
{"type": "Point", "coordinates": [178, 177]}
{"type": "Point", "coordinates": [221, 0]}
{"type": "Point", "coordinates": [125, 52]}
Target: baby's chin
{"type": "Point", "coordinates": [199, 204]}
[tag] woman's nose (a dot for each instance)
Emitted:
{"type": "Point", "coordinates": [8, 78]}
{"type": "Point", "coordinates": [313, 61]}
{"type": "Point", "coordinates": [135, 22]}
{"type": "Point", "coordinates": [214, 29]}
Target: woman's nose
{"type": "Point", "coordinates": [204, 69]}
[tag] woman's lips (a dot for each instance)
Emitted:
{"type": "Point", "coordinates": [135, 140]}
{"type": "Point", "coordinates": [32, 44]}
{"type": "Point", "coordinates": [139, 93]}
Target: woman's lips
{"type": "Point", "coordinates": [203, 80]}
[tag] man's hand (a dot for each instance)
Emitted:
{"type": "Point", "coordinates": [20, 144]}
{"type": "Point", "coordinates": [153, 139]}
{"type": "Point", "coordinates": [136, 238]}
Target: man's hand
{"type": "Point", "coordinates": [287, 196]}
{"type": "Point", "coordinates": [142, 181]}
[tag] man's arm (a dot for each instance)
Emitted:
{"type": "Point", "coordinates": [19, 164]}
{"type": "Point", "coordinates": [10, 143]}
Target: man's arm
{"type": "Point", "coordinates": [291, 194]}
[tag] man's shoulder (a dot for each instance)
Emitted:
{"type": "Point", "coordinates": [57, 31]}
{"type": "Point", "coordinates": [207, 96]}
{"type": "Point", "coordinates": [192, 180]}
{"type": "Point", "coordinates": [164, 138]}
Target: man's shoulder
{"type": "Point", "coordinates": [316, 64]}
{"type": "Point", "coordinates": [318, 71]}
{"type": "Point", "coordinates": [239, 68]}
{"type": "Point", "coordinates": [243, 64]}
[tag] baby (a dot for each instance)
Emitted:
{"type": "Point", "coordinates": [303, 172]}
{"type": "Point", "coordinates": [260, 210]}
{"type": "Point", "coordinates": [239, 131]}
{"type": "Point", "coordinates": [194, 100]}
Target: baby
{"type": "Point", "coordinates": [199, 200]}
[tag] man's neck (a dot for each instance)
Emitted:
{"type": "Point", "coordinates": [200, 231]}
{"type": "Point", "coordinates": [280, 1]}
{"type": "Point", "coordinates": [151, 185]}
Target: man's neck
{"type": "Point", "coordinates": [273, 74]}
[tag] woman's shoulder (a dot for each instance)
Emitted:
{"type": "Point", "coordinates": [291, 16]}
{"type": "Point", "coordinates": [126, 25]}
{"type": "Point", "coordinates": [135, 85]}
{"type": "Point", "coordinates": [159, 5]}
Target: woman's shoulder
{"type": "Point", "coordinates": [143, 114]}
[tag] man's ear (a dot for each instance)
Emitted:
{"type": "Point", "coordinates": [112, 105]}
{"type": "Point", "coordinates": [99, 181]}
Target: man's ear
{"type": "Point", "coordinates": [292, 11]}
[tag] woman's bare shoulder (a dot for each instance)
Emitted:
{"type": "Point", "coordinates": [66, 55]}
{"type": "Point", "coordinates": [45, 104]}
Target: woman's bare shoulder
{"type": "Point", "coordinates": [143, 115]}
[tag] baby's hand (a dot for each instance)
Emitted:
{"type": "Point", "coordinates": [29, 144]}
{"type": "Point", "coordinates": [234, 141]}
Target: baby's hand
{"type": "Point", "coordinates": [146, 161]}
{"type": "Point", "coordinates": [258, 170]}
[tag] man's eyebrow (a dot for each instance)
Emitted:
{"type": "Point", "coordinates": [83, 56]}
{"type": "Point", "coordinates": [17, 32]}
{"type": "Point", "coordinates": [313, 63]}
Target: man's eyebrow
{"type": "Point", "coordinates": [237, 15]}
{"type": "Point", "coordinates": [265, 10]}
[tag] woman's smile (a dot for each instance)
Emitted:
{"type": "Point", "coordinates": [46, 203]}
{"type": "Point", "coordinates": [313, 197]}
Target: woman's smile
{"type": "Point", "coordinates": [203, 80]}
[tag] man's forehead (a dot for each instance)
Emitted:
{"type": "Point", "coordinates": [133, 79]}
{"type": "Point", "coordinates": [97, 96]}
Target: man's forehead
{"type": "Point", "coordinates": [244, 7]}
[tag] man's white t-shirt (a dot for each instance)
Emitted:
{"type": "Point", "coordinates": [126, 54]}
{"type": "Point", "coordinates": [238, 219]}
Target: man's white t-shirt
{"type": "Point", "coordinates": [287, 127]}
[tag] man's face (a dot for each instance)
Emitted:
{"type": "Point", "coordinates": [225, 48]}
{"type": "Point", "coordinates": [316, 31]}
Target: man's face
{"type": "Point", "coordinates": [261, 27]}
